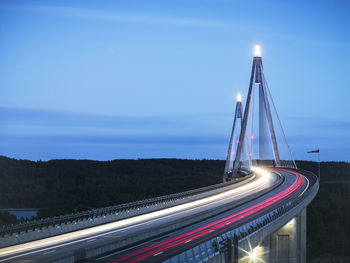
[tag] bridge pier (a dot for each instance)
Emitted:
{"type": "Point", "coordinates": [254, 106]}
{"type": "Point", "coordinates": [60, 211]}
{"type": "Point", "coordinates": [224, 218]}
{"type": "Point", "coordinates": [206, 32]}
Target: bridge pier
{"type": "Point", "coordinates": [288, 244]}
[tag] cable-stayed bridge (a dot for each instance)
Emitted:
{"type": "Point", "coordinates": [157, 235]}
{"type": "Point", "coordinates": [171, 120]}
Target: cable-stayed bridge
{"type": "Point", "coordinates": [258, 213]}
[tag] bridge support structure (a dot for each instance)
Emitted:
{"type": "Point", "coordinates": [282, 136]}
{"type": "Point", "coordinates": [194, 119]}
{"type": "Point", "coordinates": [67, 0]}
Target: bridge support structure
{"type": "Point", "coordinates": [232, 147]}
{"type": "Point", "coordinates": [257, 81]}
{"type": "Point", "coordinates": [261, 140]}
{"type": "Point", "coordinates": [286, 245]}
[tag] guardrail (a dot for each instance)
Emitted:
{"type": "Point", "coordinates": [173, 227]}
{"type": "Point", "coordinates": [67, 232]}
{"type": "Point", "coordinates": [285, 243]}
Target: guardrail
{"type": "Point", "coordinates": [121, 211]}
{"type": "Point", "coordinates": [223, 243]}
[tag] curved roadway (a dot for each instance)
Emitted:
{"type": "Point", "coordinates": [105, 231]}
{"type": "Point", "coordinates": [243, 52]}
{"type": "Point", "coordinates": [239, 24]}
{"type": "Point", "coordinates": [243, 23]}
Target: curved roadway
{"type": "Point", "coordinates": [294, 184]}
{"type": "Point", "coordinates": [264, 193]}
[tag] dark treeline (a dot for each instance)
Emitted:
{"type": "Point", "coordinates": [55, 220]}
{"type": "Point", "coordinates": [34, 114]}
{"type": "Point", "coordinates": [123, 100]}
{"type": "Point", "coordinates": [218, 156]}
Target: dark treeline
{"type": "Point", "coordinates": [64, 186]}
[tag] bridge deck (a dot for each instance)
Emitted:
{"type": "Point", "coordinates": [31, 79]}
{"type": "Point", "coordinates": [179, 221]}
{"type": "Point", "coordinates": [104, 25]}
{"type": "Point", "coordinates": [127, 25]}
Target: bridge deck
{"type": "Point", "coordinates": [207, 218]}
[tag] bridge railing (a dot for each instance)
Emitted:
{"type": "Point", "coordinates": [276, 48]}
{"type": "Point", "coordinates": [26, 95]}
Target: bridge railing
{"type": "Point", "coordinates": [221, 244]}
{"type": "Point", "coordinates": [119, 212]}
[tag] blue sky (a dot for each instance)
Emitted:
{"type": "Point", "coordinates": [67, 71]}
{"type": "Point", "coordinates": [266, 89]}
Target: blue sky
{"type": "Point", "coordinates": [149, 79]}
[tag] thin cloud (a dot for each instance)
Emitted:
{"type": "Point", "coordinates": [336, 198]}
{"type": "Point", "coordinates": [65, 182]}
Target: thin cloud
{"type": "Point", "coordinates": [45, 134]}
{"type": "Point", "coordinates": [123, 139]}
{"type": "Point", "coordinates": [127, 17]}
{"type": "Point", "coordinates": [50, 118]}
{"type": "Point", "coordinates": [314, 41]}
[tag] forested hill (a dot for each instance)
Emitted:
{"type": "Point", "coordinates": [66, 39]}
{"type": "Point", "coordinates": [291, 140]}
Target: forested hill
{"type": "Point", "coordinates": [63, 186]}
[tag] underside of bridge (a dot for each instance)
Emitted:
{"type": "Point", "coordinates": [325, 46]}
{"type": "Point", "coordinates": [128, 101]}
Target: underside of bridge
{"type": "Point", "coordinates": [286, 245]}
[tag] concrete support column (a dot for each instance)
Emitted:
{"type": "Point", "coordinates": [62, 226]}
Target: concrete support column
{"type": "Point", "coordinates": [265, 250]}
{"type": "Point", "coordinates": [302, 235]}
{"type": "Point", "coordinates": [288, 244]}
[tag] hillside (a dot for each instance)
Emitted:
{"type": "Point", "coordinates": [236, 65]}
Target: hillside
{"type": "Point", "coordinates": [64, 186]}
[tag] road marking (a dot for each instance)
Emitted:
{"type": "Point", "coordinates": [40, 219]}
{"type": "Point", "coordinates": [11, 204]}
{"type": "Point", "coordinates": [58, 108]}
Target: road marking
{"type": "Point", "coordinates": [188, 240]}
{"type": "Point", "coordinates": [308, 182]}
{"type": "Point", "coordinates": [158, 253]}
{"type": "Point", "coordinates": [91, 240]}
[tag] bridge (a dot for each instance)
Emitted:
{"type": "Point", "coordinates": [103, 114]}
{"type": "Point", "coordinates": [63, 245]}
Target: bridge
{"type": "Point", "coordinates": [257, 214]}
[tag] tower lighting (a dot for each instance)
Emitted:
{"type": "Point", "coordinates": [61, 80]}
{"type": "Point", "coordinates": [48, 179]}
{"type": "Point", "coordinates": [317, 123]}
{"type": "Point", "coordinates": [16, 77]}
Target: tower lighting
{"type": "Point", "coordinates": [257, 51]}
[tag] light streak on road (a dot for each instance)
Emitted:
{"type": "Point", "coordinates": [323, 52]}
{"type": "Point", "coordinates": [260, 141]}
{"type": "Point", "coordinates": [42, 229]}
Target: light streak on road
{"type": "Point", "coordinates": [221, 223]}
{"type": "Point", "coordinates": [264, 179]}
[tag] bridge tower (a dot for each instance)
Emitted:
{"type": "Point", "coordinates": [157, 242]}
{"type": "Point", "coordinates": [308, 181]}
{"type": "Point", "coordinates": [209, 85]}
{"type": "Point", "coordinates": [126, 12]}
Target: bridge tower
{"type": "Point", "coordinates": [232, 148]}
{"type": "Point", "coordinates": [261, 139]}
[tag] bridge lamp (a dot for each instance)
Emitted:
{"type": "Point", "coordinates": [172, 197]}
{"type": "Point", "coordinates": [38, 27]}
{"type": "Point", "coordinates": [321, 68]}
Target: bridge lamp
{"type": "Point", "coordinates": [256, 255]}
{"type": "Point", "coordinates": [239, 97]}
{"type": "Point", "coordinates": [257, 51]}
{"type": "Point", "coordinates": [253, 255]}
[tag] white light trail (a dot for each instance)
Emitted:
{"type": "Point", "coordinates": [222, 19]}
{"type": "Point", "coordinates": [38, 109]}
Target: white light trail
{"type": "Point", "coordinates": [264, 179]}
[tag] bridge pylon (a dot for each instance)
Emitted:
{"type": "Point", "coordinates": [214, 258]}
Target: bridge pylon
{"type": "Point", "coordinates": [232, 148]}
{"type": "Point", "coordinates": [261, 139]}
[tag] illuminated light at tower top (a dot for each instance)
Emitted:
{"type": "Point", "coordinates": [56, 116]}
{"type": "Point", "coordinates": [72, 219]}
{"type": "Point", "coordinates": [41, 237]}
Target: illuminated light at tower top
{"type": "Point", "coordinates": [239, 97]}
{"type": "Point", "coordinates": [257, 51]}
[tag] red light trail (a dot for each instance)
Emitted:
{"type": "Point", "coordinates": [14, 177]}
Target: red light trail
{"type": "Point", "coordinates": [204, 230]}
